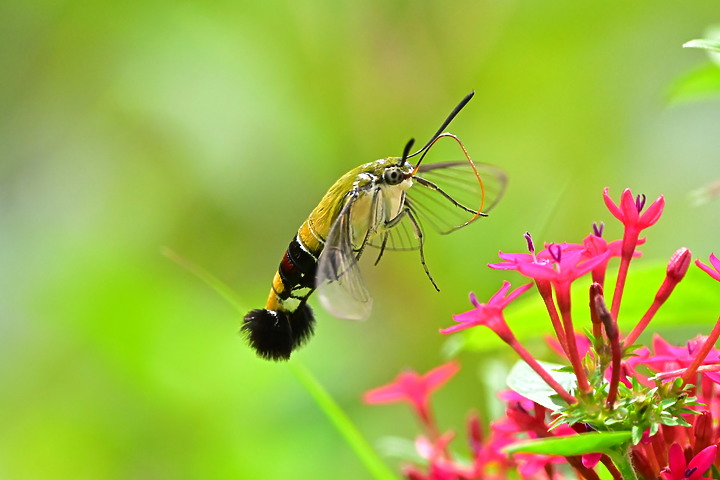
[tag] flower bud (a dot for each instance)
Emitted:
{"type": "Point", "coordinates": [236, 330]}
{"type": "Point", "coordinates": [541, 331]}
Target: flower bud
{"type": "Point", "coordinates": [703, 431]}
{"type": "Point", "coordinates": [678, 264]}
{"type": "Point", "coordinates": [475, 435]}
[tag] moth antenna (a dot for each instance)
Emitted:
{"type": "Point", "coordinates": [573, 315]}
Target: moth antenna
{"type": "Point", "coordinates": [406, 150]}
{"type": "Point", "coordinates": [447, 121]}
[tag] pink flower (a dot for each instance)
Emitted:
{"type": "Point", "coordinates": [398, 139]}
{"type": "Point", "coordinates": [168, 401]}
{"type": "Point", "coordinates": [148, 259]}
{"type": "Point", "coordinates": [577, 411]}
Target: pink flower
{"type": "Point", "coordinates": [414, 388]}
{"type": "Point", "coordinates": [491, 315]}
{"type": "Point", "coordinates": [713, 271]}
{"type": "Point", "coordinates": [582, 342]}
{"type": "Point", "coordinates": [595, 245]}
{"type": "Point", "coordinates": [628, 212]}
{"type": "Point", "coordinates": [679, 469]}
{"type": "Point", "coordinates": [440, 466]}
{"type": "Point", "coordinates": [568, 265]}
{"type": "Point", "coordinates": [488, 314]}
{"type": "Point", "coordinates": [524, 419]}
{"type": "Point", "coordinates": [668, 357]}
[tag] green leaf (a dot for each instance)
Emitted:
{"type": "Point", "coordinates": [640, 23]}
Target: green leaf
{"type": "Point", "coordinates": [400, 448]}
{"type": "Point", "coordinates": [705, 44]}
{"type": "Point", "coordinates": [571, 445]}
{"type": "Point", "coordinates": [523, 380]}
{"type": "Point", "coordinates": [699, 83]}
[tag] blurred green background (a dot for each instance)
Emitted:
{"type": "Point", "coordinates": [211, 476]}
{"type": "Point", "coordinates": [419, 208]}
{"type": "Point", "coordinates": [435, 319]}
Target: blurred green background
{"type": "Point", "coordinates": [214, 128]}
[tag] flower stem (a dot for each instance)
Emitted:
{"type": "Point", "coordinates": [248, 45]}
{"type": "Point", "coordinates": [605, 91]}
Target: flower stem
{"type": "Point", "coordinates": [547, 378]}
{"type": "Point", "coordinates": [611, 468]}
{"type": "Point", "coordinates": [677, 267]}
{"type": "Point", "coordinates": [642, 324]}
{"type": "Point", "coordinates": [704, 350]}
{"type": "Point", "coordinates": [563, 298]}
{"type": "Point", "coordinates": [628, 248]}
{"type": "Point", "coordinates": [624, 464]}
{"type": "Point", "coordinates": [376, 467]}
{"type": "Point", "coordinates": [545, 290]}
{"type": "Point", "coordinates": [613, 336]}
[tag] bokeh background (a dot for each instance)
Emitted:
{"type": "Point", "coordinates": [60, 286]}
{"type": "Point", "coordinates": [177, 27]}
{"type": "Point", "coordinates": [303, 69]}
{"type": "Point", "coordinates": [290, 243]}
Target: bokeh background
{"type": "Point", "coordinates": [213, 128]}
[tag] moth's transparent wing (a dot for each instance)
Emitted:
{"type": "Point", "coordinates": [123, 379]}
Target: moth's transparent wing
{"type": "Point", "coordinates": [402, 235]}
{"type": "Point", "coordinates": [450, 195]}
{"type": "Point", "coordinates": [339, 284]}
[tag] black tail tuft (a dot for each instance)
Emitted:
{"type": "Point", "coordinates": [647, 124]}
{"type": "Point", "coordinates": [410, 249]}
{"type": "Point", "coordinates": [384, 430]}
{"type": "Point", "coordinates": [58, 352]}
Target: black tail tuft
{"type": "Point", "coordinates": [269, 333]}
{"type": "Point", "coordinates": [302, 323]}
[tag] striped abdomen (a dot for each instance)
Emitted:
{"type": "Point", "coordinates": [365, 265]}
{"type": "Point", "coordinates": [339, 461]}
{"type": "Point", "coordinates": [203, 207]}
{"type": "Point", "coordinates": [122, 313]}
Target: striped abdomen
{"type": "Point", "coordinates": [287, 321]}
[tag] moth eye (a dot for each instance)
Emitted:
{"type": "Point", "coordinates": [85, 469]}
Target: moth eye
{"type": "Point", "coordinates": [393, 176]}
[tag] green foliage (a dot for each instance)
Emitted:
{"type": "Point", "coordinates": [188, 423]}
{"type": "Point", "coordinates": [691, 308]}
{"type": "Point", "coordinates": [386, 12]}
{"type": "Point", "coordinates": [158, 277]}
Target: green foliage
{"type": "Point", "coordinates": [378, 470]}
{"type": "Point", "coordinates": [593, 442]}
{"type": "Point", "coordinates": [703, 81]}
{"type": "Point", "coordinates": [525, 381]}
{"type": "Point", "coordinates": [711, 45]}
{"type": "Point", "coordinates": [637, 409]}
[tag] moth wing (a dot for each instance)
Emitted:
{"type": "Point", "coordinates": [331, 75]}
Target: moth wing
{"type": "Point", "coordinates": [339, 283]}
{"type": "Point", "coordinates": [402, 235]}
{"type": "Point", "coordinates": [449, 195]}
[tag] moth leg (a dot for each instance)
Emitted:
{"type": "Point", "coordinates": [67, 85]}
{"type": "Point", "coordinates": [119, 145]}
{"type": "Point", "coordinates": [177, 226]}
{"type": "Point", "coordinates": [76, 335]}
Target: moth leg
{"type": "Point", "coordinates": [387, 226]}
{"type": "Point", "coordinates": [382, 248]}
{"type": "Point", "coordinates": [419, 233]}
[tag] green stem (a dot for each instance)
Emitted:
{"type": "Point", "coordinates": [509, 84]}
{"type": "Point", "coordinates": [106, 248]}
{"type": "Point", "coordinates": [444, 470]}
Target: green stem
{"type": "Point", "coordinates": [343, 424]}
{"type": "Point", "coordinates": [622, 461]}
{"type": "Point", "coordinates": [332, 410]}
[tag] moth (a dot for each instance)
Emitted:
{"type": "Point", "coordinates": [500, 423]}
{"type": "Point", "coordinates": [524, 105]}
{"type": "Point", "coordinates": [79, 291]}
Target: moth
{"type": "Point", "coordinates": [383, 205]}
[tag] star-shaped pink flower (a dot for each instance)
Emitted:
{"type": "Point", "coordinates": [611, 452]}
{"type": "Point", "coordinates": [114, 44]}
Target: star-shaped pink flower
{"type": "Point", "coordinates": [628, 212]}
{"type": "Point", "coordinates": [713, 271]}
{"type": "Point", "coordinates": [489, 314]}
{"type": "Point", "coordinates": [413, 388]}
{"type": "Point", "coordinates": [679, 469]}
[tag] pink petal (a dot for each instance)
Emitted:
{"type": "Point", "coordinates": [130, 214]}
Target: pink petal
{"type": "Point", "coordinates": [500, 294]}
{"type": "Point", "coordinates": [471, 316]}
{"type": "Point", "coordinates": [503, 266]}
{"type": "Point", "coordinates": [629, 208]}
{"type": "Point", "coordinates": [676, 460]}
{"type": "Point", "coordinates": [511, 260]}
{"type": "Point", "coordinates": [385, 394]}
{"type": "Point", "coordinates": [516, 293]}
{"type": "Point", "coordinates": [456, 328]}
{"type": "Point", "coordinates": [593, 245]}
{"type": "Point", "coordinates": [715, 261]}
{"type": "Point", "coordinates": [537, 271]}
{"type": "Point", "coordinates": [707, 269]}
{"type": "Point", "coordinates": [589, 460]}
{"type": "Point", "coordinates": [590, 264]}
{"type": "Point", "coordinates": [662, 346]}
{"type": "Point", "coordinates": [439, 375]}
{"type": "Point", "coordinates": [616, 212]}
{"type": "Point", "coordinates": [652, 214]}
{"type": "Point", "coordinates": [713, 376]}
{"type": "Point", "coordinates": [704, 459]}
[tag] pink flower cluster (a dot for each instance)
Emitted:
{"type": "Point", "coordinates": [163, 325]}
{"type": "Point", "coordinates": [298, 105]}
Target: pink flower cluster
{"type": "Point", "coordinates": [675, 433]}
